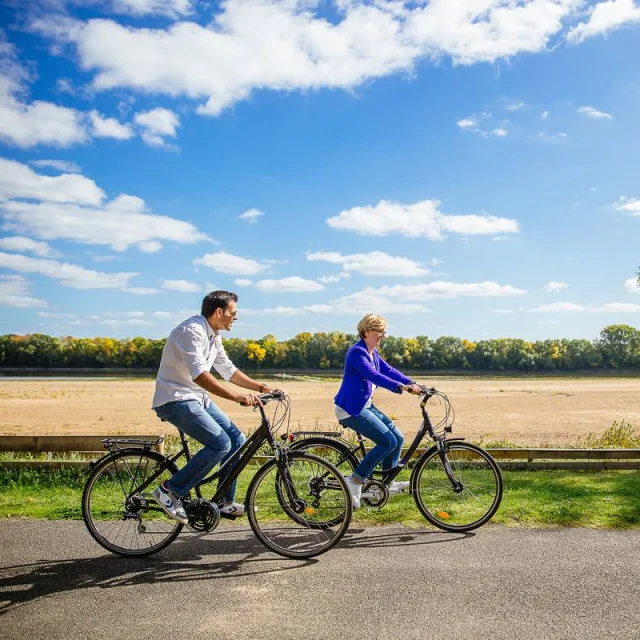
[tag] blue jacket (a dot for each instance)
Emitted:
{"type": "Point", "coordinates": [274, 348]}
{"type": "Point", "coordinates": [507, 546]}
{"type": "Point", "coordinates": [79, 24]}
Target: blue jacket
{"type": "Point", "coordinates": [360, 372]}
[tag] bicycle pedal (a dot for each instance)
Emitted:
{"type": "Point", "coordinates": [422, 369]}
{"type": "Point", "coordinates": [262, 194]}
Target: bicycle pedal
{"type": "Point", "coordinates": [230, 516]}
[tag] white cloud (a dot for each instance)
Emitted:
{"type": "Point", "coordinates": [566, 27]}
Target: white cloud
{"type": "Point", "coordinates": [421, 219]}
{"type": "Point", "coordinates": [554, 138]}
{"type": "Point", "coordinates": [167, 8]}
{"type": "Point", "coordinates": [134, 322]}
{"type": "Point", "coordinates": [20, 181]}
{"type": "Point", "coordinates": [554, 285]}
{"type": "Point", "coordinates": [544, 115]}
{"type": "Point", "coordinates": [47, 314]}
{"type": "Point", "coordinates": [119, 223]}
{"type": "Point", "coordinates": [440, 289]}
{"type": "Point", "coordinates": [292, 284]}
{"type": "Point", "coordinates": [592, 112]}
{"type": "Point", "coordinates": [141, 291]}
{"type": "Point", "coordinates": [605, 17]}
{"type": "Point", "coordinates": [243, 282]}
{"type": "Point", "coordinates": [102, 127]}
{"type": "Point", "coordinates": [557, 307]}
{"type": "Point", "coordinates": [394, 299]}
{"type": "Point", "coordinates": [288, 46]}
{"type": "Point", "coordinates": [113, 225]}
{"type": "Point", "coordinates": [15, 291]}
{"type": "Point", "coordinates": [516, 106]}
{"type": "Point", "coordinates": [27, 124]}
{"type": "Point", "coordinates": [472, 123]}
{"type": "Point", "coordinates": [376, 263]}
{"type": "Point", "coordinates": [22, 244]}
{"type": "Point", "coordinates": [157, 125]}
{"type": "Point", "coordinates": [251, 215]}
{"type": "Point", "coordinates": [632, 285]}
{"type": "Point", "coordinates": [64, 166]}
{"type": "Point", "coordinates": [334, 278]}
{"type": "Point", "coordinates": [70, 275]}
{"type": "Point", "coordinates": [224, 262]}
{"type": "Point", "coordinates": [618, 307]}
{"type": "Point", "coordinates": [180, 285]}
{"type": "Point", "coordinates": [628, 205]}
{"type": "Point", "coordinates": [434, 262]}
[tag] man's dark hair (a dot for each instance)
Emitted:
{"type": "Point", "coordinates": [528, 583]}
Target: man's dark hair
{"type": "Point", "coordinates": [217, 300]}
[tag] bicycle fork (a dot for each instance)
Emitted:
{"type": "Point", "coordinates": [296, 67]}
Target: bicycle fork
{"type": "Point", "coordinates": [282, 460]}
{"type": "Point", "coordinates": [456, 484]}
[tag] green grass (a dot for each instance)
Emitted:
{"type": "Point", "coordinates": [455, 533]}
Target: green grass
{"type": "Point", "coordinates": [604, 499]}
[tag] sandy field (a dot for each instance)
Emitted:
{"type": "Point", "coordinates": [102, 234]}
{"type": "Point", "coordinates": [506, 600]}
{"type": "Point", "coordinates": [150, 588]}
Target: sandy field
{"type": "Point", "coordinates": [525, 411]}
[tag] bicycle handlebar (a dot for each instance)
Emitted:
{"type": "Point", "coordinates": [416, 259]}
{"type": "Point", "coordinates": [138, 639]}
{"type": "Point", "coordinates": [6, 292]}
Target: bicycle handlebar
{"type": "Point", "coordinates": [276, 394]}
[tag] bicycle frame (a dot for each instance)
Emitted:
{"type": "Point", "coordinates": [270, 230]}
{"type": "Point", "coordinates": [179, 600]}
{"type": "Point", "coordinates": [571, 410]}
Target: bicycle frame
{"type": "Point", "coordinates": [240, 458]}
{"type": "Point", "coordinates": [425, 428]}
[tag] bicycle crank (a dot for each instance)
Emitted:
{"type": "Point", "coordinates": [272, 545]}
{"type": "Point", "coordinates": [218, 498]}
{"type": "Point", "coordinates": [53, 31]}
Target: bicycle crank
{"type": "Point", "coordinates": [374, 494]}
{"type": "Point", "coordinates": [203, 515]}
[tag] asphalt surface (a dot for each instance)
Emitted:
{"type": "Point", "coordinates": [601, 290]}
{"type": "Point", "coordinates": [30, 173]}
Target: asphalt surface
{"type": "Point", "coordinates": [382, 582]}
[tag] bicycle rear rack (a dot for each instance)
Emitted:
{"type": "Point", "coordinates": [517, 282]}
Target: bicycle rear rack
{"type": "Point", "coordinates": [117, 444]}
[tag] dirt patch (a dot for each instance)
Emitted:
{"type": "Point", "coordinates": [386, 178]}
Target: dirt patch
{"type": "Point", "coordinates": [525, 411]}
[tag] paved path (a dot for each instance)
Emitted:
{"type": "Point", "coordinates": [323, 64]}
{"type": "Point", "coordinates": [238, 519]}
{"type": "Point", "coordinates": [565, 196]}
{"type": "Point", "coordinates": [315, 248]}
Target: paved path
{"type": "Point", "coordinates": [386, 582]}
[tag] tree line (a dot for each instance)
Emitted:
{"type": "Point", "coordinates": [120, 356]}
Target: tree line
{"type": "Point", "coordinates": [617, 347]}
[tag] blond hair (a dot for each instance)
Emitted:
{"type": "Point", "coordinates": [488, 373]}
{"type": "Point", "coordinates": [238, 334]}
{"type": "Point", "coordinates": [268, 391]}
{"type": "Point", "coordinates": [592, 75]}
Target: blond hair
{"type": "Point", "coordinates": [371, 322]}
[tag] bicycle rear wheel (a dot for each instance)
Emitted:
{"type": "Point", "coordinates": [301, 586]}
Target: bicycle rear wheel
{"type": "Point", "coordinates": [299, 506]}
{"type": "Point", "coordinates": [121, 518]}
{"type": "Point", "coordinates": [468, 504]}
{"type": "Point", "coordinates": [330, 449]}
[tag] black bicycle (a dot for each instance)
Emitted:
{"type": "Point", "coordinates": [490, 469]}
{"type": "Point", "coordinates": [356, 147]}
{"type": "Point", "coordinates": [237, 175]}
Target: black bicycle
{"type": "Point", "coordinates": [298, 504]}
{"type": "Point", "coordinates": [457, 486]}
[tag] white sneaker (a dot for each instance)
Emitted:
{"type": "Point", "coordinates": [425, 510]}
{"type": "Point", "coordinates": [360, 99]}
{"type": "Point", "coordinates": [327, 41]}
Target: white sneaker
{"type": "Point", "coordinates": [355, 490]}
{"type": "Point", "coordinates": [171, 504]}
{"type": "Point", "coordinates": [235, 510]}
{"type": "Point", "coordinates": [397, 487]}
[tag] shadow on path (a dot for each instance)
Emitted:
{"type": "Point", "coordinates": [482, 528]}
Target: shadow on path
{"type": "Point", "coordinates": [188, 559]}
{"type": "Point", "coordinates": [192, 558]}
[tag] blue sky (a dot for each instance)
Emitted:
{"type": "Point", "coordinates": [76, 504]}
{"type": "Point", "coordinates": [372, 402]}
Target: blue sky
{"type": "Point", "coordinates": [466, 169]}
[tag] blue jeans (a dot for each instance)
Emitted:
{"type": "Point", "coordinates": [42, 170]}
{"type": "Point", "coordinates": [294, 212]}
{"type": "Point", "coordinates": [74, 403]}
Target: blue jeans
{"type": "Point", "coordinates": [210, 426]}
{"type": "Point", "coordinates": [373, 424]}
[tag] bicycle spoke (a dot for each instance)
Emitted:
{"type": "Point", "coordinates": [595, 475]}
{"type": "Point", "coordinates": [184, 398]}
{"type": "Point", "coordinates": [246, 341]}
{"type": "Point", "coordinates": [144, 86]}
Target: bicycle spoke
{"type": "Point", "coordinates": [480, 482]}
{"type": "Point", "coordinates": [118, 517]}
{"type": "Point", "coordinates": [295, 511]}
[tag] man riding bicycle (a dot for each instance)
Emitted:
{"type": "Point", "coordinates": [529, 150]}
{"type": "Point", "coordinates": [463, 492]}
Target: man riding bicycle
{"type": "Point", "coordinates": [181, 397]}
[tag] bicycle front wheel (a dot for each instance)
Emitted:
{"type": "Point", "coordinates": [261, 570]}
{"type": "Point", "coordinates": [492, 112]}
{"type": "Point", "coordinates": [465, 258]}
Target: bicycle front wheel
{"type": "Point", "coordinates": [470, 500]}
{"type": "Point", "coordinates": [119, 516]}
{"type": "Point", "coordinates": [299, 506]}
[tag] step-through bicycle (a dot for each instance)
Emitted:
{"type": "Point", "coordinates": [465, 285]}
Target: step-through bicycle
{"type": "Point", "coordinates": [457, 486]}
{"type": "Point", "coordinates": [298, 504]}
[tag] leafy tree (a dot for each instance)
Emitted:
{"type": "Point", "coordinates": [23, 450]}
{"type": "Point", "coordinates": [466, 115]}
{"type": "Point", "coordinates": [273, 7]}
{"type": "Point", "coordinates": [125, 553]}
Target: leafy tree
{"type": "Point", "coordinates": [619, 344]}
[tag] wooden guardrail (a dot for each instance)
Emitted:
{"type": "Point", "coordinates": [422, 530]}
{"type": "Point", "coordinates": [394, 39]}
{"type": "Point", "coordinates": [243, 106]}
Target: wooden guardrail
{"type": "Point", "coordinates": [507, 458]}
{"type": "Point", "coordinates": [88, 446]}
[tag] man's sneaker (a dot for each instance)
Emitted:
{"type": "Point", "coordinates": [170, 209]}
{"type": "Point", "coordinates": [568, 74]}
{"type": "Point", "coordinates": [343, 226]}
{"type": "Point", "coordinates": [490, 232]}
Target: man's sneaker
{"type": "Point", "coordinates": [397, 487]}
{"type": "Point", "coordinates": [234, 510]}
{"type": "Point", "coordinates": [171, 504]}
{"type": "Point", "coordinates": [355, 490]}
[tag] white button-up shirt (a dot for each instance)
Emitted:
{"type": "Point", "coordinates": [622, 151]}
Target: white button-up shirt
{"type": "Point", "coordinates": [191, 349]}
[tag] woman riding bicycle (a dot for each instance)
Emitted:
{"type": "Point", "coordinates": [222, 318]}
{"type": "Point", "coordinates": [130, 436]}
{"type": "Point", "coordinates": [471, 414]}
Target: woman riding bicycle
{"type": "Point", "coordinates": [364, 370]}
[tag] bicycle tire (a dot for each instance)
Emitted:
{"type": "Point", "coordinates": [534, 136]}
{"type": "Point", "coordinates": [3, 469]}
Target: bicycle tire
{"type": "Point", "coordinates": [272, 523]}
{"type": "Point", "coordinates": [331, 450]}
{"type": "Point", "coordinates": [476, 502]}
{"type": "Point", "coordinates": [119, 519]}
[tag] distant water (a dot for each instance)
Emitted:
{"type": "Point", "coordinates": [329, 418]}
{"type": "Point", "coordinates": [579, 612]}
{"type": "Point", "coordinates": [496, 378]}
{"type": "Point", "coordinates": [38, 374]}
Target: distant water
{"type": "Point", "coordinates": [80, 376]}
